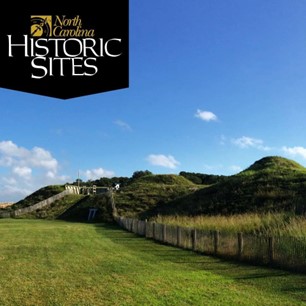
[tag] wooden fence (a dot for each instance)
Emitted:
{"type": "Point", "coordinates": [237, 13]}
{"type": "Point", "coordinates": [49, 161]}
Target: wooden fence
{"type": "Point", "coordinates": [5, 215]}
{"type": "Point", "coordinates": [282, 252]}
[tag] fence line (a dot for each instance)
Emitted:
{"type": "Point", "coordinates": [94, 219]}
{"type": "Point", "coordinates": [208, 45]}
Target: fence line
{"type": "Point", "coordinates": [282, 252]}
{"type": "Point", "coordinates": [5, 214]}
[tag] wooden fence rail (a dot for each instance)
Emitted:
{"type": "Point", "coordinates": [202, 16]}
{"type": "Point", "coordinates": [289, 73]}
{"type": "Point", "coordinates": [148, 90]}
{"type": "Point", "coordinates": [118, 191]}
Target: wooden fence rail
{"type": "Point", "coordinates": [283, 252]}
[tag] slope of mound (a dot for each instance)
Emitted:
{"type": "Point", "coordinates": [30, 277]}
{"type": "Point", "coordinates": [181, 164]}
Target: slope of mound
{"type": "Point", "coordinates": [74, 207]}
{"type": "Point", "coordinates": [148, 191]}
{"type": "Point", "coordinates": [55, 209]}
{"type": "Point", "coordinates": [39, 195]}
{"type": "Point", "coordinates": [165, 179]}
{"type": "Point", "coordinates": [270, 164]}
{"type": "Point", "coordinates": [270, 184]}
{"type": "Point", "coordinates": [79, 211]}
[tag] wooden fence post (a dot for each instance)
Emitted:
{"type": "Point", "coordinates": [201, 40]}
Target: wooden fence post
{"type": "Point", "coordinates": [178, 236]}
{"type": "Point", "coordinates": [216, 242]}
{"type": "Point", "coordinates": [131, 224]}
{"type": "Point", "coordinates": [194, 239]}
{"type": "Point", "coordinates": [164, 233]}
{"type": "Point", "coordinates": [154, 231]}
{"type": "Point", "coordinates": [137, 227]}
{"type": "Point", "coordinates": [145, 228]}
{"type": "Point", "coordinates": [271, 250]}
{"type": "Point", "coordinates": [240, 245]}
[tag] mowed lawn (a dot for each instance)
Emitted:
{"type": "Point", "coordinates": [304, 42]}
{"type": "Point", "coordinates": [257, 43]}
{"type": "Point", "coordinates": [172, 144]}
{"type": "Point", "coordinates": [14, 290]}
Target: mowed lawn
{"type": "Point", "coordinates": [60, 263]}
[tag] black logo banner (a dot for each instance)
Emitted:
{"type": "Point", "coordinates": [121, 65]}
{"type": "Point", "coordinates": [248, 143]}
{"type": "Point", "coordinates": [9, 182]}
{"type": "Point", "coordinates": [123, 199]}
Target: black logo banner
{"type": "Point", "coordinates": [65, 52]}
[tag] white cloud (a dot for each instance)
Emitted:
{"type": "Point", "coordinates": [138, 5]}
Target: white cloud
{"type": "Point", "coordinates": [9, 193]}
{"type": "Point", "coordinates": [163, 161]}
{"type": "Point", "coordinates": [6, 161]}
{"type": "Point", "coordinates": [39, 157]}
{"type": "Point", "coordinates": [25, 170]}
{"type": "Point", "coordinates": [95, 174]}
{"type": "Point", "coordinates": [12, 155]}
{"type": "Point", "coordinates": [50, 174]}
{"type": "Point", "coordinates": [123, 125]}
{"type": "Point", "coordinates": [295, 151]}
{"type": "Point", "coordinates": [8, 148]}
{"type": "Point", "coordinates": [9, 181]}
{"type": "Point", "coordinates": [205, 115]}
{"type": "Point", "coordinates": [245, 142]}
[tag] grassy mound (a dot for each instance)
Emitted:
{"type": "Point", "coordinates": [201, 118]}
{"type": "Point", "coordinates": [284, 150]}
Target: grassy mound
{"type": "Point", "coordinates": [71, 207]}
{"type": "Point", "coordinates": [39, 195]}
{"type": "Point", "coordinates": [165, 179]}
{"type": "Point", "coordinates": [270, 184]}
{"type": "Point", "coordinates": [148, 191]}
{"type": "Point", "coordinates": [55, 209]}
{"type": "Point", "coordinates": [74, 208]}
{"type": "Point", "coordinates": [274, 165]}
{"type": "Point", "coordinates": [80, 210]}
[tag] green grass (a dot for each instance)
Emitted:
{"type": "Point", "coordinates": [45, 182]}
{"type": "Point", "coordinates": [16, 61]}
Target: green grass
{"type": "Point", "coordinates": [148, 191]}
{"type": "Point", "coordinates": [272, 184]}
{"type": "Point", "coordinates": [74, 207]}
{"type": "Point", "coordinates": [269, 224]}
{"type": "Point", "coordinates": [39, 195]}
{"type": "Point", "coordinates": [79, 212]}
{"type": "Point", "coordinates": [274, 164]}
{"type": "Point", "coordinates": [61, 263]}
{"type": "Point", "coordinates": [55, 209]}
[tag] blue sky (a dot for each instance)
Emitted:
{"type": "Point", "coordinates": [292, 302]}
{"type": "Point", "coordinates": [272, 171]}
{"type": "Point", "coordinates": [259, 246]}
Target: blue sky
{"type": "Point", "coordinates": [214, 86]}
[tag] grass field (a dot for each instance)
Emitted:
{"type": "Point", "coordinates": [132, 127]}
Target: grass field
{"type": "Point", "coordinates": [275, 224]}
{"type": "Point", "coordinates": [61, 263]}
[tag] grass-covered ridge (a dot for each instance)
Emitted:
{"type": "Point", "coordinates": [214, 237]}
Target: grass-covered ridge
{"type": "Point", "coordinates": [55, 209]}
{"type": "Point", "coordinates": [269, 185]}
{"type": "Point", "coordinates": [272, 184]}
{"type": "Point", "coordinates": [73, 207]}
{"type": "Point", "coordinates": [79, 211]}
{"type": "Point", "coordinates": [148, 191]}
{"type": "Point", "coordinates": [274, 164]}
{"type": "Point", "coordinates": [39, 195]}
{"type": "Point", "coordinates": [164, 179]}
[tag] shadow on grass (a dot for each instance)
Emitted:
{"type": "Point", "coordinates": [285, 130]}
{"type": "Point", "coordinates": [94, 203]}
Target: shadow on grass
{"type": "Point", "coordinates": [239, 272]}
